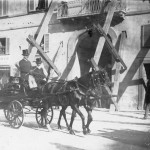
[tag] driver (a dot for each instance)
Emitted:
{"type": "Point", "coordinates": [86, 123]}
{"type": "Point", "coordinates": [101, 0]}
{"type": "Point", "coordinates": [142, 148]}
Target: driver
{"type": "Point", "coordinates": [25, 67]}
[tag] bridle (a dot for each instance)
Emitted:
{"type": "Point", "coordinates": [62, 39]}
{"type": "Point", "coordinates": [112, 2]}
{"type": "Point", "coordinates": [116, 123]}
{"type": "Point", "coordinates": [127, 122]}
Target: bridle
{"type": "Point", "coordinates": [94, 77]}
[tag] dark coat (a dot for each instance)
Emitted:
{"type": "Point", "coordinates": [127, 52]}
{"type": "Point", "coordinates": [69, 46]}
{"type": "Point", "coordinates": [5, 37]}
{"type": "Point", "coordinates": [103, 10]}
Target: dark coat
{"type": "Point", "coordinates": [39, 76]}
{"type": "Point", "coordinates": [25, 67]}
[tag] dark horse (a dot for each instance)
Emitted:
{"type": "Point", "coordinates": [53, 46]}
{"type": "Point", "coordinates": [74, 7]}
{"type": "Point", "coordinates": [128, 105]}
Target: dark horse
{"type": "Point", "coordinates": [83, 91]}
{"type": "Point", "coordinates": [91, 87]}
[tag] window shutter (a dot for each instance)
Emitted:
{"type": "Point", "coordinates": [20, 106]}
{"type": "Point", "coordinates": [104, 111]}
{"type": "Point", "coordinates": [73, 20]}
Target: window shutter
{"type": "Point", "coordinates": [32, 5]}
{"type": "Point", "coordinates": [46, 42]}
{"type": "Point", "coordinates": [7, 46]}
{"type": "Point", "coordinates": [3, 7]}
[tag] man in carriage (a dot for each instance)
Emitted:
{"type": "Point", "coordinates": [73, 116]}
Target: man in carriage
{"type": "Point", "coordinates": [25, 67]}
{"type": "Point", "coordinates": [39, 73]}
{"type": "Point", "coordinates": [34, 76]}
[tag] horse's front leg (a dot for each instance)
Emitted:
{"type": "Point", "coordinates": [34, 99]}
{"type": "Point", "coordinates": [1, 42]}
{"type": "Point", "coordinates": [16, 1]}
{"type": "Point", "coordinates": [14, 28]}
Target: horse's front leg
{"type": "Point", "coordinates": [90, 118]}
{"type": "Point", "coordinates": [75, 108]}
{"type": "Point", "coordinates": [73, 115]}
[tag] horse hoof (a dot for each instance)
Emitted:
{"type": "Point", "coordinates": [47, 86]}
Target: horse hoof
{"type": "Point", "coordinates": [72, 132]}
{"type": "Point", "coordinates": [88, 131]}
{"type": "Point", "coordinates": [84, 132]}
{"type": "Point", "coordinates": [59, 127]}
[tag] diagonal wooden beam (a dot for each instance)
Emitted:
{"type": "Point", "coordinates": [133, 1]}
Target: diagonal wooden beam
{"type": "Point", "coordinates": [106, 27]}
{"type": "Point", "coordinates": [72, 42]}
{"type": "Point", "coordinates": [112, 48]}
{"type": "Point", "coordinates": [94, 64]}
{"type": "Point", "coordinates": [115, 88]}
{"type": "Point", "coordinates": [32, 41]}
{"type": "Point", "coordinates": [43, 28]}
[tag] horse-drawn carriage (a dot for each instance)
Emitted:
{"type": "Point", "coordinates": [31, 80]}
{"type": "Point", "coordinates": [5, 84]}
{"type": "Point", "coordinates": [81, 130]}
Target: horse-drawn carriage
{"type": "Point", "coordinates": [83, 91]}
{"type": "Point", "coordinates": [17, 101]}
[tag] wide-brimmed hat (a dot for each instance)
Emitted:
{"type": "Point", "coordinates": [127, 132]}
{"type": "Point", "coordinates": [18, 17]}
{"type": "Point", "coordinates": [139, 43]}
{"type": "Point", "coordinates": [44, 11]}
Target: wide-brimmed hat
{"type": "Point", "coordinates": [38, 60]}
{"type": "Point", "coordinates": [25, 52]}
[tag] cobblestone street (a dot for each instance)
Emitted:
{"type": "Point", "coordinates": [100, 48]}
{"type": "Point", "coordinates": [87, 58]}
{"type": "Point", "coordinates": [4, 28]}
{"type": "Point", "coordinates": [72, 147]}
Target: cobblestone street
{"type": "Point", "coordinates": [110, 131]}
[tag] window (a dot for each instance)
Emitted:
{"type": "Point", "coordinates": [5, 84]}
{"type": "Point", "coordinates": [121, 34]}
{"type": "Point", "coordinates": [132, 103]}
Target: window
{"type": "Point", "coordinates": [17, 7]}
{"type": "Point", "coordinates": [146, 36]}
{"type": "Point", "coordinates": [4, 46]}
{"type": "Point", "coordinates": [3, 7]}
{"type": "Point", "coordinates": [35, 5]}
{"type": "Point", "coordinates": [46, 42]}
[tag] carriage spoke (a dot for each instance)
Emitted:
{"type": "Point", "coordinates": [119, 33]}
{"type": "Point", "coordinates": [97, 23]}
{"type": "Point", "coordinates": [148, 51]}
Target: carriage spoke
{"type": "Point", "coordinates": [15, 114]}
{"type": "Point", "coordinates": [44, 117]}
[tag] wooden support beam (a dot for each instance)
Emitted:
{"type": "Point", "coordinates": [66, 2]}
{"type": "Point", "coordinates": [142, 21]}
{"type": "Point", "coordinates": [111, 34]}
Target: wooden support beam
{"type": "Point", "coordinates": [112, 48]}
{"type": "Point", "coordinates": [118, 68]}
{"type": "Point", "coordinates": [43, 28]}
{"type": "Point", "coordinates": [106, 27]}
{"type": "Point", "coordinates": [43, 55]}
{"type": "Point", "coordinates": [94, 64]}
{"type": "Point", "coordinates": [72, 48]}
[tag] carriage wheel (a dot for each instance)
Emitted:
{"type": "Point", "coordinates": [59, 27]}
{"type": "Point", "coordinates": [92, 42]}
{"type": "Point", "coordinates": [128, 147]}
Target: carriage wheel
{"type": "Point", "coordinates": [40, 113]}
{"type": "Point", "coordinates": [15, 114]}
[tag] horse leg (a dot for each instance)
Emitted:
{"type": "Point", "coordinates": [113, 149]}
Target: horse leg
{"type": "Point", "coordinates": [44, 114]}
{"type": "Point", "coordinates": [73, 115]}
{"type": "Point", "coordinates": [115, 103]}
{"type": "Point", "coordinates": [62, 113]}
{"type": "Point", "coordinates": [90, 118]}
{"type": "Point", "coordinates": [75, 108]}
{"type": "Point", "coordinates": [108, 92]}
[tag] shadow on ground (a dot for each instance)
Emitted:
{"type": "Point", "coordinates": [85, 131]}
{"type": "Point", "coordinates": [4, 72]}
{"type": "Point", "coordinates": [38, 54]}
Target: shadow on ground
{"type": "Point", "coordinates": [65, 147]}
{"type": "Point", "coordinates": [130, 137]}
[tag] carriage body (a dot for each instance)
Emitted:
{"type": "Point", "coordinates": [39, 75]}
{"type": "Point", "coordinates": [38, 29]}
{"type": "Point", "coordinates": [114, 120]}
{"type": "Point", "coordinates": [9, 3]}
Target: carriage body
{"type": "Point", "coordinates": [16, 102]}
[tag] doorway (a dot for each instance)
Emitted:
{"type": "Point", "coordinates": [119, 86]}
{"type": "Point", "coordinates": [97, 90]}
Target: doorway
{"type": "Point", "coordinates": [144, 75]}
{"type": "Point", "coordinates": [86, 50]}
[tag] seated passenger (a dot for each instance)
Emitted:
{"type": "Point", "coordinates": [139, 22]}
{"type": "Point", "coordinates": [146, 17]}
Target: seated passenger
{"type": "Point", "coordinates": [40, 74]}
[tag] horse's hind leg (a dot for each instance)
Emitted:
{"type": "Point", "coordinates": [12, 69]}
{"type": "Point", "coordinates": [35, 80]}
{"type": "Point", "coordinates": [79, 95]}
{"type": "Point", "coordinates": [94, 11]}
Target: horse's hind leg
{"type": "Point", "coordinates": [44, 115]}
{"type": "Point", "coordinates": [62, 113]}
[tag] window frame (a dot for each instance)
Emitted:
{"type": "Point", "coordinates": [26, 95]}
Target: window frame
{"type": "Point", "coordinates": [2, 13]}
{"type": "Point", "coordinates": [35, 3]}
{"type": "Point", "coordinates": [5, 45]}
{"type": "Point", "coordinates": [145, 36]}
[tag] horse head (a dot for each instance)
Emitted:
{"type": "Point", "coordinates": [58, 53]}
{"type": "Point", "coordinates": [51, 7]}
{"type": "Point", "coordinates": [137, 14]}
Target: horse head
{"type": "Point", "coordinates": [100, 77]}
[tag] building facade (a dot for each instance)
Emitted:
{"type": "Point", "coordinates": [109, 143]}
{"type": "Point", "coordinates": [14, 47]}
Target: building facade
{"type": "Point", "coordinates": [71, 29]}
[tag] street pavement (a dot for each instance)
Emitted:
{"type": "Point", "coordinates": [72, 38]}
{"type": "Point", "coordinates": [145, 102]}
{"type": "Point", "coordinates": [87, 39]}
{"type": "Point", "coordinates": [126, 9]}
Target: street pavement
{"type": "Point", "coordinates": [124, 130]}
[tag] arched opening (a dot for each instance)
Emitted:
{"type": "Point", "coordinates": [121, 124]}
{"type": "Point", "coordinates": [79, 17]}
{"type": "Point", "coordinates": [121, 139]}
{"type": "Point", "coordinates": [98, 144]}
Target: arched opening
{"type": "Point", "coordinates": [86, 50]}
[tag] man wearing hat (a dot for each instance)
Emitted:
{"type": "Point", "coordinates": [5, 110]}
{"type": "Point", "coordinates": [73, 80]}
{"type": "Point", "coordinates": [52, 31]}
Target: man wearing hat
{"type": "Point", "coordinates": [25, 67]}
{"type": "Point", "coordinates": [40, 72]}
